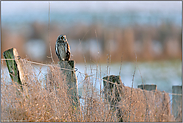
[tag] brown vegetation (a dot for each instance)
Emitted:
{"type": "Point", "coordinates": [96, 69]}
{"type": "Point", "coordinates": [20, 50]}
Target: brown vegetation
{"type": "Point", "coordinates": [148, 42]}
{"type": "Point", "coordinates": [42, 105]}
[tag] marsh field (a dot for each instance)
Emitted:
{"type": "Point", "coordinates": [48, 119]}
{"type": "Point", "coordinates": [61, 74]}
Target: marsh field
{"type": "Point", "coordinates": [140, 41]}
{"type": "Point", "coordinates": [90, 86]}
{"type": "Point", "coordinates": [169, 73]}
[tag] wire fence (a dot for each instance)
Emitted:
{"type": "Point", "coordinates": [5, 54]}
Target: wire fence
{"type": "Point", "coordinates": [133, 101]}
{"type": "Point", "coordinates": [76, 70]}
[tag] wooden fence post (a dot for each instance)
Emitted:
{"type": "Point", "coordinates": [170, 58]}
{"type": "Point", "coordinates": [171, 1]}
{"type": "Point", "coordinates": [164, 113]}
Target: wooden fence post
{"type": "Point", "coordinates": [67, 68]}
{"type": "Point", "coordinates": [148, 87]}
{"type": "Point", "coordinates": [108, 93]}
{"type": "Point", "coordinates": [177, 103]}
{"type": "Point", "coordinates": [165, 99]}
{"type": "Point", "coordinates": [15, 68]}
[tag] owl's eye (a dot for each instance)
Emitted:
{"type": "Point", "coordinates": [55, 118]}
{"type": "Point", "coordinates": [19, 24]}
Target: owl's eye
{"type": "Point", "coordinates": [62, 37]}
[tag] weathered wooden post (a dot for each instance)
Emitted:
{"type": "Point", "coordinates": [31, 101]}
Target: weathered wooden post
{"type": "Point", "coordinates": [113, 83]}
{"type": "Point", "coordinates": [15, 69]}
{"type": "Point", "coordinates": [164, 97]}
{"type": "Point", "coordinates": [67, 68]}
{"type": "Point", "coordinates": [148, 87]}
{"type": "Point", "coordinates": [177, 102]}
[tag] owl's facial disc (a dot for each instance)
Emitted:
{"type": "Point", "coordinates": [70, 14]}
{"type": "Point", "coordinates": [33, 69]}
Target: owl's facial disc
{"type": "Point", "coordinates": [62, 38]}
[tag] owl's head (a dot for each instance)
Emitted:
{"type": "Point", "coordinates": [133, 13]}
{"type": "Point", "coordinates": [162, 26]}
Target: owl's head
{"type": "Point", "coordinates": [62, 38]}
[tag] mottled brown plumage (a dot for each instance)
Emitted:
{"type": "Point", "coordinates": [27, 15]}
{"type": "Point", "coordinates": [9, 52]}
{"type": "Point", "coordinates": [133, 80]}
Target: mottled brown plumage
{"type": "Point", "coordinates": [62, 48]}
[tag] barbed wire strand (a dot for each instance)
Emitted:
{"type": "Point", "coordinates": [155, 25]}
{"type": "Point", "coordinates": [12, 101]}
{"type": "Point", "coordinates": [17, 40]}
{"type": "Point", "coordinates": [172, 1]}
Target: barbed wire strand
{"type": "Point", "coordinates": [51, 65]}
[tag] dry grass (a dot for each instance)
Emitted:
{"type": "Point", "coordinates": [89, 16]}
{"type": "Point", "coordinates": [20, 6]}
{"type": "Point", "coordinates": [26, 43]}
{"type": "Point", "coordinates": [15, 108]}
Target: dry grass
{"type": "Point", "coordinates": [52, 103]}
{"type": "Point", "coordinates": [49, 104]}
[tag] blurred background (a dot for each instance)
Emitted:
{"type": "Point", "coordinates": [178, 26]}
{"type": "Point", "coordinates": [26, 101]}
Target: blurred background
{"type": "Point", "coordinates": [151, 29]}
{"type": "Point", "coordinates": [100, 32]}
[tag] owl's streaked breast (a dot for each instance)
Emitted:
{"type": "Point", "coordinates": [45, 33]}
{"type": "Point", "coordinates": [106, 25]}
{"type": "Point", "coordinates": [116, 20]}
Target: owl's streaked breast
{"type": "Point", "coordinates": [62, 51]}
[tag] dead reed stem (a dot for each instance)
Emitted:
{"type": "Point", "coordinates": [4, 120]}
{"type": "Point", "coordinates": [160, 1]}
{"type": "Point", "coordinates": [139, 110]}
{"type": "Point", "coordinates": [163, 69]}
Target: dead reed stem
{"type": "Point", "coordinates": [49, 101]}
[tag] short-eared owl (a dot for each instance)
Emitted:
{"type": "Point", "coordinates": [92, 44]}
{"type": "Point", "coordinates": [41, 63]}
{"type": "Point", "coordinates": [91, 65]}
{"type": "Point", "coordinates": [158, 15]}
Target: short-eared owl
{"type": "Point", "coordinates": [62, 48]}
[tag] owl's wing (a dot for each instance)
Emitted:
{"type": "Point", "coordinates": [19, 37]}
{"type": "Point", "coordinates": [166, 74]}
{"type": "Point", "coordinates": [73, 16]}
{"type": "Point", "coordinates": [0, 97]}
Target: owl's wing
{"type": "Point", "coordinates": [68, 47]}
{"type": "Point", "coordinates": [67, 51]}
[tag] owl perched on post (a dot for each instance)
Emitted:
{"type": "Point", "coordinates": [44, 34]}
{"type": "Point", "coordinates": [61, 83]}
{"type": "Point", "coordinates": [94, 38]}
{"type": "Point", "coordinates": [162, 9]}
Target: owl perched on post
{"type": "Point", "coordinates": [62, 48]}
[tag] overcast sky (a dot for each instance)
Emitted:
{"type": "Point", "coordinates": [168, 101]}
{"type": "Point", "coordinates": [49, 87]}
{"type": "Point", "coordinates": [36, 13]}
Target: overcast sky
{"type": "Point", "coordinates": [11, 7]}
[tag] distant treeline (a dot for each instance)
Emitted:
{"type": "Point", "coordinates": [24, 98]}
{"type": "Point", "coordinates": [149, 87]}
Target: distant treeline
{"type": "Point", "coordinates": [97, 42]}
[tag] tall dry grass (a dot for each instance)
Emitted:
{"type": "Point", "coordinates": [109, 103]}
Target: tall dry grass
{"type": "Point", "coordinates": [51, 102]}
{"type": "Point", "coordinates": [48, 100]}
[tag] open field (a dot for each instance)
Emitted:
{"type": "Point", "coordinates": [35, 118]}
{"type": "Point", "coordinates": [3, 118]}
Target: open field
{"type": "Point", "coordinates": [42, 105]}
{"type": "Point", "coordinates": [134, 43]}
